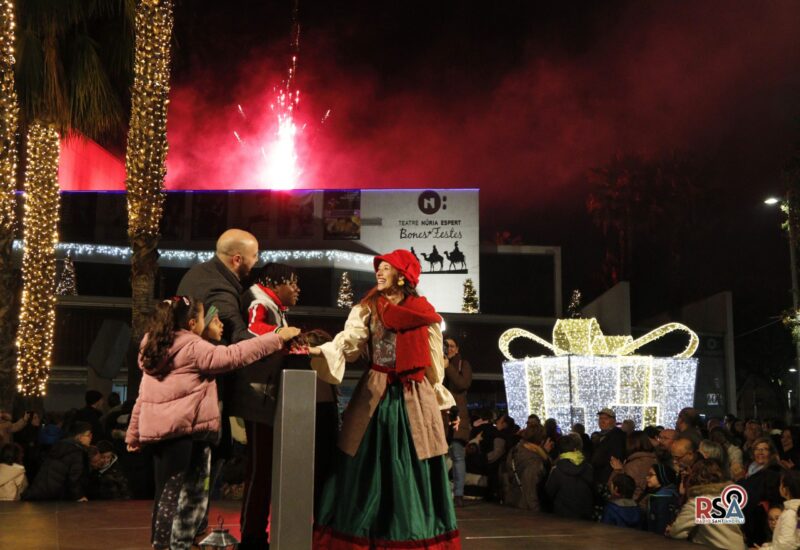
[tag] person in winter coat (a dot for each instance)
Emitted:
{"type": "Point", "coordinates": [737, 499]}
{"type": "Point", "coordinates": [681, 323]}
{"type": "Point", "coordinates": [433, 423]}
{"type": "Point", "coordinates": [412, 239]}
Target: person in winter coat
{"type": "Point", "coordinates": [622, 510]}
{"type": "Point", "coordinates": [608, 442]}
{"type": "Point", "coordinates": [12, 473]}
{"type": "Point", "coordinates": [763, 486]}
{"type": "Point", "coordinates": [786, 536]}
{"type": "Point", "coordinates": [63, 474]}
{"type": "Point", "coordinates": [106, 480]}
{"type": "Point", "coordinates": [177, 411]}
{"type": "Point", "coordinates": [640, 457]}
{"type": "Point", "coordinates": [705, 478]}
{"type": "Point", "coordinates": [524, 476]}
{"type": "Point", "coordinates": [458, 378]}
{"type": "Point", "coordinates": [569, 486]}
{"type": "Point", "coordinates": [662, 501]}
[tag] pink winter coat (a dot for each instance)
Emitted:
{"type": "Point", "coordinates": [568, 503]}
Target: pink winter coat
{"type": "Point", "coordinates": [185, 401]}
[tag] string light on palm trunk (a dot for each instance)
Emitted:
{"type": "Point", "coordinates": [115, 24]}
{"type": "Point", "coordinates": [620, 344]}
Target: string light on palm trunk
{"type": "Point", "coordinates": [9, 112]}
{"type": "Point", "coordinates": [37, 314]}
{"type": "Point", "coordinates": [147, 148]}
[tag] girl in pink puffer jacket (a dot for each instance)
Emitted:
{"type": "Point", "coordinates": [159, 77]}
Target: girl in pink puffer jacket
{"type": "Point", "coordinates": [177, 412]}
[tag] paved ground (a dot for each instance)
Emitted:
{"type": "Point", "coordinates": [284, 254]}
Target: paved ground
{"type": "Point", "coordinates": [126, 526]}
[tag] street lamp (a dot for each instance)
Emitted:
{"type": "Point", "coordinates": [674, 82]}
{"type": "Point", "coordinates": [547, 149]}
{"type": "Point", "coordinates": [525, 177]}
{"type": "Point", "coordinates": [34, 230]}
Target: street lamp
{"type": "Point", "coordinates": [793, 270]}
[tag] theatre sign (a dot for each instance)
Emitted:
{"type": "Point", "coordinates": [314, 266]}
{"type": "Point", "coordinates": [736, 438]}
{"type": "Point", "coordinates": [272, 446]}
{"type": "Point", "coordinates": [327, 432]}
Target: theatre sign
{"type": "Point", "coordinates": [440, 227]}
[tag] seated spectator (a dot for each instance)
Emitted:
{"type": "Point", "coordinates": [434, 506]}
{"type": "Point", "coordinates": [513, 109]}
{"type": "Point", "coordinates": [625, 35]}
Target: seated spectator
{"type": "Point", "coordinates": [109, 420]}
{"type": "Point", "coordinates": [622, 510]}
{"type": "Point", "coordinates": [641, 457]}
{"type": "Point", "coordinates": [628, 426]}
{"type": "Point", "coordinates": [688, 425]}
{"type": "Point", "coordinates": [710, 449]}
{"type": "Point", "coordinates": [773, 514]}
{"type": "Point", "coordinates": [91, 413]}
{"type": "Point", "coordinates": [662, 501]}
{"type": "Point", "coordinates": [106, 480]}
{"type": "Point", "coordinates": [64, 472]}
{"type": "Point", "coordinates": [752, 431]}
{"type": "Point", "coordinates": [505, 437]}
{"type": "Point", "coordinates": [12, 473]}
{"type": "Point", "coordinates": [585, 439]}
{"type": "Point", "coordinates": [763, 487]}
{"type": "Point", "coordinates": [527, 465]}
{"type": "Point", "coordinates": [735, 457]}
{"type": "Point", "coordinates": [705, 478]}
{"type": "Point", "coordinates": [790, 448]}
{"type": "Point", "coordinates": [570, 487]}
{"type": "Point", "coordinates": [8, 427]}
{"type": "Point", "coordinates": [785, 535]}
{"type": "Point", "coordinates": [51, 432]}
{"type": "Point", "coordinates": [652, 434]}
{"type": "Point", "coordinates": [684, 455]}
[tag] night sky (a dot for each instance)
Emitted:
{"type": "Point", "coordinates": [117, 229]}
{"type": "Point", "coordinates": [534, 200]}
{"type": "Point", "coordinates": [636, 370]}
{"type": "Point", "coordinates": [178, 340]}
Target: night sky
{"type": "Point", "coordinates": [522, 99]}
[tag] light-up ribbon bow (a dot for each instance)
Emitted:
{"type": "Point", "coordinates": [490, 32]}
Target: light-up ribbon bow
{"type": "Point", "coordinates": [584, 337]}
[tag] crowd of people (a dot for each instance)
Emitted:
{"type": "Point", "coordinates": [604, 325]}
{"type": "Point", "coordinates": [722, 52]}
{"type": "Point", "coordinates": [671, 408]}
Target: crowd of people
{"type": "Point", "coordinates": [218, 346]}
{"type": "Point", "coordinates": [648, 478]}
{"type": "Point", "coordinates": [70, 456]}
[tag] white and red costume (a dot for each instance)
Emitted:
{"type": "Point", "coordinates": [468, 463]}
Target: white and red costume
{"type": "Point", "coordinates": [265, 311]}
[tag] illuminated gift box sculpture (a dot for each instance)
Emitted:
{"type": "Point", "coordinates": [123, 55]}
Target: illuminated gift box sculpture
{"type": "Point", "coordinates": [591, 371]}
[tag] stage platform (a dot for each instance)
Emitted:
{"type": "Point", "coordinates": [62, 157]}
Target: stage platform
{"type": "Point", "coordinates": [125, 526]}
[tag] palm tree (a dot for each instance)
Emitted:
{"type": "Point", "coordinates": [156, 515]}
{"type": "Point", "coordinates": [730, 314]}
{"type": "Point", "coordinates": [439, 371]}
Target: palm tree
{"type": "Point", "coordinates": [145, 162]}
{"type": "Point", "coordinates": [71, 68]}
{"type": "Point", "coordinates": [9, 110]}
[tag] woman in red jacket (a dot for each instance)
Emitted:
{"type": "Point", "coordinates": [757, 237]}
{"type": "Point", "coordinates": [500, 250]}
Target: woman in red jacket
{"type": "Point", "coordinates": [177, 411]}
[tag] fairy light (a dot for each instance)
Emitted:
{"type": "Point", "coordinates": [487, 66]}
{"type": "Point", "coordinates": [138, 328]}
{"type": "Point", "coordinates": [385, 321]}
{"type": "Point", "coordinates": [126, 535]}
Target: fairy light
{"type": "Point", "coordinates": [145, 162]}
{"type": "Point", "coordinates": [40, 232]}
{"type": "Point", "coordinates": [591, 371]}
{"type": "Point", "coordinates": [101, 253]}
{"type": "Point", "coordinates": [9, 113]}
{"type": "Point", "coordinates": [648, 390]}
{"type": "Point", "coordinates": [584, 337]}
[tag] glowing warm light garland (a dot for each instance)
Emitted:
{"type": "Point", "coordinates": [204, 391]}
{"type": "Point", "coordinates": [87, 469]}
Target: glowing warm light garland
{"type": "Point", "coordinates": [145, 161]}
{"type": "Point", "coordinates": [9, 118]}
{"type": "Point", "coordinates": [146, 156]}
{"type": "Point", "coordinates": [9, 113]}
{"type": "Point", "coordinates": [38, 315]}
{"type": "Point", "coordinates": [592, 371]}
{"type": "Point", "coordinates": [584, 337]}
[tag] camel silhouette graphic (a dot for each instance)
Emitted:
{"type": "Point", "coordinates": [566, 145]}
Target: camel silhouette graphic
{"type": "Point", "coordinates": [434, 258]}
{"type": "Point", "coordinates": [456, 257]}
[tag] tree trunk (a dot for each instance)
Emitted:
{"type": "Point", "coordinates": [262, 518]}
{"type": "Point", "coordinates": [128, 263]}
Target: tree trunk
{"type": "Point", "coordinates": [144, 269]}
{"type": "Point", "coordinates": [8, 320]}
{"type": "Point", "coordinates": [145, 163]}
{"type": "Point", "coordinates": [8, 185]}
{"type": "Point", "coordinates": [40, 229]}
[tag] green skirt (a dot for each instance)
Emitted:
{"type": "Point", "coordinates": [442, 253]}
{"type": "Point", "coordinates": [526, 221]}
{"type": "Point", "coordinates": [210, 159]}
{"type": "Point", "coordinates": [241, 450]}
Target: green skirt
{"type": "Point", "coordinates": [384, 496]}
